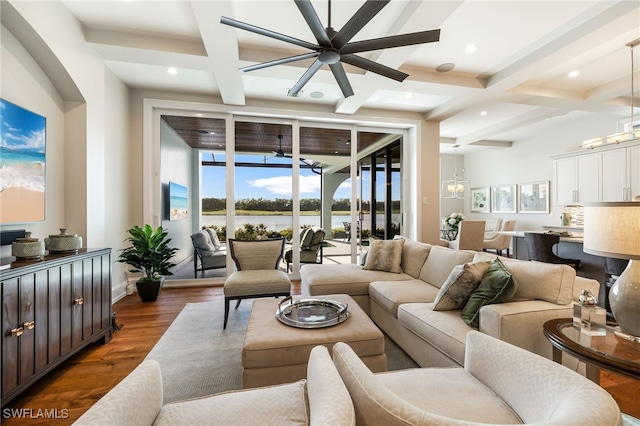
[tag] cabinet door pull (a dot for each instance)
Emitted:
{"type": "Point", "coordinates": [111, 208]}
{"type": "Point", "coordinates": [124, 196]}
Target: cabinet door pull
{"type": "Point", "coordinates": [16, 332]}
{"type": "Point", "coordinates": [29, 325]}
{"type": "Point", "coordinates": [79, 301]}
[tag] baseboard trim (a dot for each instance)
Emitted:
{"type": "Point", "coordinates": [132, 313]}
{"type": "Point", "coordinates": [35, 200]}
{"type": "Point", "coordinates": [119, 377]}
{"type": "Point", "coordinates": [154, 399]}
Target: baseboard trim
{"type": "Point", "coordinates": [119, 291]}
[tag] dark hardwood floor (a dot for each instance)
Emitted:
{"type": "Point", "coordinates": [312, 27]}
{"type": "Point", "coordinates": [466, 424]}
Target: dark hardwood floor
{"type": "Point", "coordinates": [72, 388]}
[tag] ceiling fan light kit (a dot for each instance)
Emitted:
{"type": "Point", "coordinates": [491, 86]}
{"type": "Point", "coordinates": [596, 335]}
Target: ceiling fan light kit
{"type": "Point", "coordinates": [334, 48]}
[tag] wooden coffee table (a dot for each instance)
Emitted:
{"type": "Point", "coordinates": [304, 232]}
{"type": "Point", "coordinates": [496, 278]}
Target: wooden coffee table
{"type": "Point", "coordinates": [609, 352]}
{"type": "Point", "coordinates": [276, 353]}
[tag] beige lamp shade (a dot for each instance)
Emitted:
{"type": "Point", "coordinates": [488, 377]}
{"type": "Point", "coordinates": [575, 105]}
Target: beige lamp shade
{"type": "Point", "coordinates": [612, 229]}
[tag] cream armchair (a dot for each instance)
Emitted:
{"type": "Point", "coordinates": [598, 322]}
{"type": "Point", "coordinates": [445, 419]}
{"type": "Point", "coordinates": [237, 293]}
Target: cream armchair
{"type": "Point", "coordinates": [499, 384]}
{"type": "Point", "coordinates": [321, 399]}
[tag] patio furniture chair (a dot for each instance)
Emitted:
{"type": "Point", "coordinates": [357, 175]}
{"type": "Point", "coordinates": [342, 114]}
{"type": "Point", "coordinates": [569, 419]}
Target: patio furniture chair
{"type": "Point", "coordinates": [311, 242]}
{"type": "Point", "coordinates": [257, 273]}
{"type": "Point", "coordinates": [208, 253]}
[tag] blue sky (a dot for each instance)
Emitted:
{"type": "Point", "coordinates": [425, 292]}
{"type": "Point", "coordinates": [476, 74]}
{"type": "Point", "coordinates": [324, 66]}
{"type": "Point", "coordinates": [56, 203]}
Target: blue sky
{"type": "Point", "coordinates": [268, 183]}
{"type": "Point", "coordinates": [21, 129]}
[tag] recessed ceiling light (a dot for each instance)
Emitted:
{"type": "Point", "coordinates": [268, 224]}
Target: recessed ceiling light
{"type": "Point", "coordinates": [316, 95]}
{"type": "Point", "coordinates": [445, 67]}
{"type": "Point", "coordinates": [172, 71]}
{"type": "Point", "coordinates": [483, 112]}
{"type": "Point", "coordinates": [574, 74]}
{"type": "Point", "coordinates": [471, 48]}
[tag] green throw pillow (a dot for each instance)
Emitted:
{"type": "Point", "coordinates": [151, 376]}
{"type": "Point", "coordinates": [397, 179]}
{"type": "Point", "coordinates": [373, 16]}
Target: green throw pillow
{"type": "Point", "coordinates": [497, 286]}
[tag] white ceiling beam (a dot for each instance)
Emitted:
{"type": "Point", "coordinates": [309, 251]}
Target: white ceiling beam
{"type": "Point", "coordinates": [221, 44]}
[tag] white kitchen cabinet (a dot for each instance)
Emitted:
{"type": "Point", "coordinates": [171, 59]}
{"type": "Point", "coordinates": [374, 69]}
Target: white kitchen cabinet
{"type": "Point", "coordinates": [614, 175]}
{"type": "Point", "coordinates": [577, 179]}
{"type": "Point", "coordinates": [633, 171]}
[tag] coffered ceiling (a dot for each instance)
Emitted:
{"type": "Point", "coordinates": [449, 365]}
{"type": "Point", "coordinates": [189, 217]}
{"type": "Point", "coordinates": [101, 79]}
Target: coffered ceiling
{"type": "Point", "coordinates": [517, 76]}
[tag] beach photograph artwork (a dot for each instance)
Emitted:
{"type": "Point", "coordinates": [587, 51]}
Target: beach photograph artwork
{"type": "Point", "coordinates": [178, 202]}
{"type": "Point", "coordinates": [22, 165]}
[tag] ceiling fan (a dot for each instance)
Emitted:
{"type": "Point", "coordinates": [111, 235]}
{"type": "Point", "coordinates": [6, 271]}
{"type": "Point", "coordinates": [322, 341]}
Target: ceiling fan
{"type": "Point", "coordinates": [333, 48]}
{"type": "Point", "coordinates": [280, 153]}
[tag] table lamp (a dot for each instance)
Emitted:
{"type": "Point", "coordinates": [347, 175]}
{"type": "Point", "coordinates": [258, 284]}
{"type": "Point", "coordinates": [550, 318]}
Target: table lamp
{"type": "Point", "coordinates": [613, 230]}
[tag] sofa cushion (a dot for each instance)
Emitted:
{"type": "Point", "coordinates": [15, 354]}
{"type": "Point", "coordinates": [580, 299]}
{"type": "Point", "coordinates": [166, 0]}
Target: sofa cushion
{"type": "Point", "coordinates": [202, 241]}
{"type": "Point", "coordinates": [414, 255]}
{"type": "Point", "coordinates": [213, 236]}
{"type": "Point", "coordinates": [440, 263]}
{"type": "Point", "coordinates": [306, 237]}
{"type": "Point", "coordinates": [342, 279]}
{"type": "Point", "coordinates": [444, 330]}
{"type": "Point", "coordinates": [555, 287]}
{"type": "Point", "coordinates": [385, 255]}
{"type": "Point", "coordinates": [391, 294]}
{"type": "Point", "coordinates": [462, 281]}
{"type": "Point", "coordinates": [465, 398]}
{"type": "Point", "coordinates": [497, 286]}
{"type": "Point", "coordinates": [286, 402]}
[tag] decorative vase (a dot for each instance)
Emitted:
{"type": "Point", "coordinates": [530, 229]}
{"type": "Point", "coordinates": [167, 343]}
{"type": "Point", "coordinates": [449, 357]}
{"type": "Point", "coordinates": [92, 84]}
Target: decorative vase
{"type": "Point", "coordinates": [148, 290]}
{"type": "Point", "coordinates": [27, 248]}
{"type": "Point", "coordinates": [63, 243]}
{"type": "Point", "coordinates": [624, 298]}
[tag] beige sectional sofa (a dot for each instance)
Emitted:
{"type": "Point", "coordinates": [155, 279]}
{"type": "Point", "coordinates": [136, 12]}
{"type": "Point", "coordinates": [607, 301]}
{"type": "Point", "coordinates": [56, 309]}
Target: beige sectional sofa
{"type": "Point", "coordinates": [401, 304]}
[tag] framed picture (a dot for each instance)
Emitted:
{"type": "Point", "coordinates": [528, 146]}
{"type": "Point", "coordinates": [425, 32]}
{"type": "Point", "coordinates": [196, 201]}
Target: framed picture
{"type": "Point", "coordinates": [178, 202]}
{"type": "Point", "coordinates": [481, 200]}
{"type": "Point", "coordinates": [533, 197]}
{"type": "Point", "coordinates": [503, 199]}
{"type": "Point", "coordinates": [22, 154]}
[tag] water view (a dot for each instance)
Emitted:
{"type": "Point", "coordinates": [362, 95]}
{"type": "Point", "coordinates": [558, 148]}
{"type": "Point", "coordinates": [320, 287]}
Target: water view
{"type": "Point", "coordinates": [276, 222]}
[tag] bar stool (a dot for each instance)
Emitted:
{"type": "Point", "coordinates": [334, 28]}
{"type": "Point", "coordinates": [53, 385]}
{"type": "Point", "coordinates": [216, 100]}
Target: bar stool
{"type": "Point", "coordinates": [540, 248]}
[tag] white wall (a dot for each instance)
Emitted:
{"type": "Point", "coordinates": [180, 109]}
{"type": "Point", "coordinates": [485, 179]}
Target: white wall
{"type": "Point", "coordinates": [530, 160]}
{"type": "Point", "coordinates": [175, 161]}
{"type": "Point", "coordinates": [88, 127]}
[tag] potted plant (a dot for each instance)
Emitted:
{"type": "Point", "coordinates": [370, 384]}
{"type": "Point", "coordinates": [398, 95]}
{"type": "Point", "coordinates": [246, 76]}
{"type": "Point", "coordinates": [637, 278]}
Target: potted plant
{"type": "Point", "coordinates": [150, 254]}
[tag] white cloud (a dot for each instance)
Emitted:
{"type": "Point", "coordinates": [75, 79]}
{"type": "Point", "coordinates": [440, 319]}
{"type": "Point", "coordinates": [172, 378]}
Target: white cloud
{"type": "Point", "coordinates": [281, 185]}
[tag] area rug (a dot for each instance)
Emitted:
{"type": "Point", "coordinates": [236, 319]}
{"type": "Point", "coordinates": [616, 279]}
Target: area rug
{"type": "Point", "coordinates": [197, 357]}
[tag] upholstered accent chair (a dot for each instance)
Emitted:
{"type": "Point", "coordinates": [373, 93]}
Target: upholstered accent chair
{"type": "Point", "coordinates": [499, 384]}
{"type": "Point", "coordinates": [208, 252]}
{"type": "Point", "coordinates": [321, 399]}
{"type": "Point", "coordinates": [540, 248]}
{"type": "Point", "coordinates": [311, 242]}
{"type": "Point", "coordinates": [470, 236]}
{"type": "Point", "coordinates": [491, 226]}
{"type": "Point", "coordinates": [500, 242]}
{"type": "Point", "coordinates": [258, 274]}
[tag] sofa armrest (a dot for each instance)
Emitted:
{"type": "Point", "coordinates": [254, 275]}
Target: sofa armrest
{"type": "Point", "coordinates": [136, 400]}
{"type": "Point", "coordinates": [329, 400]}
{"type": "Point", "coordinates": [520, 323]}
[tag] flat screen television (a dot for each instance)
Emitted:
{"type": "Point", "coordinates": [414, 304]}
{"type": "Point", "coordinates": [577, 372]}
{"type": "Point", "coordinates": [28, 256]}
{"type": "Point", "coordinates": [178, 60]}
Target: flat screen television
{"type": "Point", "coordinates": [178, 201]}
{"type": "Point", "coordinates": [22, 165]}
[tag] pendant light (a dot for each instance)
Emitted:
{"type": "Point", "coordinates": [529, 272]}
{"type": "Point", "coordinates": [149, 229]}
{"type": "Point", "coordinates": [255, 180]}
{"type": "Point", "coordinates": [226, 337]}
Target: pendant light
{"type": "Point", "coordinates": [457, 187]}
{"type": "Point", "coordinates": [626, 136]}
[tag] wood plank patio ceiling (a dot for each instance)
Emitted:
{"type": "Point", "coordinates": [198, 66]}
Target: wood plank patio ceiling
{"type": "Point", "coordinates": [209, 134]}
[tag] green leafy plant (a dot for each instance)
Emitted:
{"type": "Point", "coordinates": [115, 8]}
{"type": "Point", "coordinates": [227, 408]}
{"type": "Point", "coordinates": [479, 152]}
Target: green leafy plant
{"type": "Point", "coordinates": [149, 252]}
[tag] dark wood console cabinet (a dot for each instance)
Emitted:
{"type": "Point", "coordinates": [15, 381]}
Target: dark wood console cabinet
{"type": "Point", "coordinates": [51, 309]}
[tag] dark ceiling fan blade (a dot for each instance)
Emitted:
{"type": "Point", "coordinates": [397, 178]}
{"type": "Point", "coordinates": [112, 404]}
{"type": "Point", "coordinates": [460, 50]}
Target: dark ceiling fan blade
{"type": "Point", "coordinates": [310, 15]}
{"type": "Point", "coordinates": [341, 77]}
{"type": "Point", "coordinates": [375, 67]}
{"type": "Point", "coordinates": [305, 78]}
{"type": "Point", "coordinates": [357, 21]}
{"type": "Point", "coordinates": [279, 61]}
{"type": "Point", "coordinates": [392, 41]}
{"type": "Point", "coordinates": [267, 33]}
